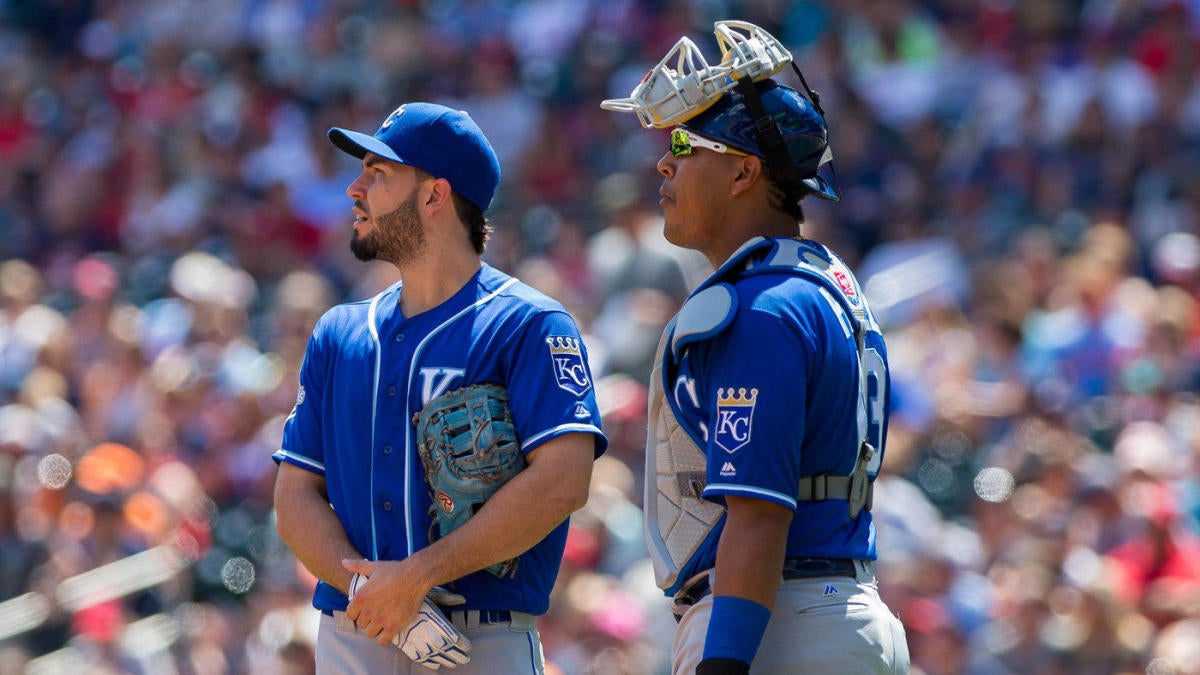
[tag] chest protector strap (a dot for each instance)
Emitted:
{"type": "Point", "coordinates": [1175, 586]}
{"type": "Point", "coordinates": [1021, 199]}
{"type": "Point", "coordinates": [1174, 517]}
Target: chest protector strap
{"type": "Point", "coordinates": [817, 264]}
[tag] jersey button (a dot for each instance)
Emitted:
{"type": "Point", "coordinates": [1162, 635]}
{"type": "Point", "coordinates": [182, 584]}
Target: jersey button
{"type": "Point", "coordinates": [387, 506]}
{"type": "Point", "coordinates": [387, 449]}
{"type": "Point", "coordinates": [391, 391]}
{"type": "Point", "coordinates": [399, 337]}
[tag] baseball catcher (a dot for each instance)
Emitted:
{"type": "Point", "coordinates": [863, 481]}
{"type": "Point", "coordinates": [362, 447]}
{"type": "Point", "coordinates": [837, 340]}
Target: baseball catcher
{"type": "Point", "coordinates": [768, 398]}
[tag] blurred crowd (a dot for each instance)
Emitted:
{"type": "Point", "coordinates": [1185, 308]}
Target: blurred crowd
{"type": "Point", "coordinates": [1020, 197]}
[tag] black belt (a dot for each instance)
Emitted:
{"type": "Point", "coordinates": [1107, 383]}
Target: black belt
{"type": "Point", "coordinates": [690, 595]}
{"type": "Point", "coordinates": [485, 615]}
{"type": "Point", "coordinates": [808, 568]}
{"type": "Point", "coordinates": [793, 568]}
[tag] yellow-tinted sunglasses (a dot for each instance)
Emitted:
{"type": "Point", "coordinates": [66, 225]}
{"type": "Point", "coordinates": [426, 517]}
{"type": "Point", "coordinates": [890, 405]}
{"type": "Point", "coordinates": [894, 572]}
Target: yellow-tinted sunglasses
{"type": "Point", "coordinates": [684, 141]}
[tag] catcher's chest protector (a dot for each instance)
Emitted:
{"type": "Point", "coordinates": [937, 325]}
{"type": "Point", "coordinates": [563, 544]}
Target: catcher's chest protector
{"type": "Point", "coordinates": [677, 521]}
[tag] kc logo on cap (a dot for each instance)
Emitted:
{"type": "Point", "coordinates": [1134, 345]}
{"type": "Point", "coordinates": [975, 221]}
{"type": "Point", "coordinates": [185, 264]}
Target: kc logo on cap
{"type": "Point", "coordinates": [442, 141]}
{"type": "Point", "coordinates": [392, 118]}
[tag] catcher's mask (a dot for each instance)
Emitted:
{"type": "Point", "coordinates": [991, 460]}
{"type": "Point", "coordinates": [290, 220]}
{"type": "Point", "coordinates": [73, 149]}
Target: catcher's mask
{"type": "Point", "coordinates": [736, 103]}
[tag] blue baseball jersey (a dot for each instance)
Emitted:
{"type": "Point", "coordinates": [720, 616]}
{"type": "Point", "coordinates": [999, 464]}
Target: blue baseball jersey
{"type": "Point", "coordinates": [774, 395]}
{"type": "Point", "coordinates": [368, 369]}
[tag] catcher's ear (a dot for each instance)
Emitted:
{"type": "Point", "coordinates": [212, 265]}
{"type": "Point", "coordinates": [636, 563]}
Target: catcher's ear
{"type": "Point", "coordinates": [749, 170]}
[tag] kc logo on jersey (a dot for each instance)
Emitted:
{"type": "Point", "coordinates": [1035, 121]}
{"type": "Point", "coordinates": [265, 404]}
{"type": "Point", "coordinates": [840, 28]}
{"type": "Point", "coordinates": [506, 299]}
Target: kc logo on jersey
{"type": "Point", "coordinates": [735, 414]}
{"type": "Point", "coordinates": [569, 370]}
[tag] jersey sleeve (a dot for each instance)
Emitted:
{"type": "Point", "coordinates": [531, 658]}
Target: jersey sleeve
{"type": "Point", "coordinates": [550, 386]}
{"type": "Point", "coordinates": [754, 390]}
{"type": "Point", "coordinates": [301, 444]}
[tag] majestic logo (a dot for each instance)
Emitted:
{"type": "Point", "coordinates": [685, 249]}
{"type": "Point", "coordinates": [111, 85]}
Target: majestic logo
{"type": "Point", "coordinates": [581, 411]}
{"type": "Point", "coordinates": [569, 369]}
{"type": "Point", "coordinates": [444, 502]}
{"type": "Point", "coordinates": [735, 414]}
{"type": "Point", "coordinates": [727, 470]}
{"type": "Point", "coordinates": [830, 589]}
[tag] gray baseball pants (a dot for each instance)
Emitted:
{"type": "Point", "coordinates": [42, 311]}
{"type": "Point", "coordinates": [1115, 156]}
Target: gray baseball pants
{"type": "Point", "coordinates": [819, 625]}
{"type": "Point", "coordinates": [505, 647]}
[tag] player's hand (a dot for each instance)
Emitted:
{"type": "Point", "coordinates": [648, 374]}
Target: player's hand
{"type": "Point", "coordinates": [433, 641]}
{"type": "Point", "coordinates": [357, 583]}
{"type": "Point", "coordinates": [387, 605]}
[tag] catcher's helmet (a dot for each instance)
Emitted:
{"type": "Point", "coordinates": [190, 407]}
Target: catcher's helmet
{"type": "Point", "coordinates": [802, 128]}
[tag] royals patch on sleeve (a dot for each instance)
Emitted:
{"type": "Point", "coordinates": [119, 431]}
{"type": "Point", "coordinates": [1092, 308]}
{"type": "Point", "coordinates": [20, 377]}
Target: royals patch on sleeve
{"type": "Point", "coordinates": [299, 400]}
{"type": "Point", "coordinates": [569, 369]}
{"type": "Point", "coordinates": [735, 417]}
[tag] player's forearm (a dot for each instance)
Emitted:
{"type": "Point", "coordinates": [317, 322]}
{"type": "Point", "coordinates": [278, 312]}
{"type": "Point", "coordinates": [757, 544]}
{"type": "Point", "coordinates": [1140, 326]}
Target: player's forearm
{"type": "Point", "coordinates": [751, 550]}
{"type": "Point", "coordinates": [310, 528]}
{"type": "Point", "coordinates": [520, 514]}
{"type": "Point", "coordinates": [318, 541]}
{"type": "Point", "coordinates": [749, 564]}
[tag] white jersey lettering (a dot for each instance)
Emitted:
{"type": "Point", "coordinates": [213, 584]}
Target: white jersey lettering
{"type": "Point", "coordinates": [435, 381]}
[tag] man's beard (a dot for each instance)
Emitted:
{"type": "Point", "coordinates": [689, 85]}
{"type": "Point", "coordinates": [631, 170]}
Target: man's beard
{"type": "Point", "coordinates": [396, 238]}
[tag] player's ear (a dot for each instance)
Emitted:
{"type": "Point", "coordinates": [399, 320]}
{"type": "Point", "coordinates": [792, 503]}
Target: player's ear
{"type": "Point", "coordinates": [435, 195]}
{"type": "Point", "coordinates": [748, 171]}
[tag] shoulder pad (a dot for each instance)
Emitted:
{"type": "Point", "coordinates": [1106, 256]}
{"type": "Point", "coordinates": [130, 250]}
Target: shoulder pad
{"type": "Point", "coordinates": [704, 315]}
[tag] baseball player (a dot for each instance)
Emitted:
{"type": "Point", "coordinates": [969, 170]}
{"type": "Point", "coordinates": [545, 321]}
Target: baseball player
{"type": "Point", "coordinates": [769, 398]}
{"type": "Point", "coordinates": [444, 430]}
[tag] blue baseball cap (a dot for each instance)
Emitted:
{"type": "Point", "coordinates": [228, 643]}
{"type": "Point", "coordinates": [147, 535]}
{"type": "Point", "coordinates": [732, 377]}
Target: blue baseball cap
{"type": "Point", "coordinates": [441, 141]}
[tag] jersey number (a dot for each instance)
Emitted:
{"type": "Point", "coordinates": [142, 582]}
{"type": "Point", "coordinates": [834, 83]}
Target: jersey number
{"type": "Point", "coordinates": [871, 406]}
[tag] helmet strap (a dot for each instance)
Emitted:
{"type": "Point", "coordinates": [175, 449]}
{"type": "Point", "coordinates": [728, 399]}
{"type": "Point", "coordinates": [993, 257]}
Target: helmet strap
{"type": "Point", "coordinates": [816, 101]}
{"type": "Point", "coordinates": [770, 139]}
{"type": "Point", "coordinates": [812, 93]}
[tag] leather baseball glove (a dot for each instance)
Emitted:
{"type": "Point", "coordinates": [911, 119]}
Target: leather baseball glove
{"type": "Point", "coordinates": [469, 448]}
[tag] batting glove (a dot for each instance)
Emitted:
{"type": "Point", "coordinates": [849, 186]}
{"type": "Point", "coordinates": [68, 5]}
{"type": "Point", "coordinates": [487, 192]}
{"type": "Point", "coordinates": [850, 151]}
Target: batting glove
{"type": "Point", "coordinates": [356, 583]}
{"type": "Point", "coordinates": [432, 641]}
{"type": "Point", "coordinates": [444, 597]}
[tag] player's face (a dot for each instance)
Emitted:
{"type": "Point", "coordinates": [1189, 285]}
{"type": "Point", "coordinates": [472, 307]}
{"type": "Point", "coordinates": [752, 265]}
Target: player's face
{"type": "Point", "coordinates": [397, 237]}
{"type": "Point", "coordinates": [387, 223]}
{"type": "Point", "coordinates": [692, 198]}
